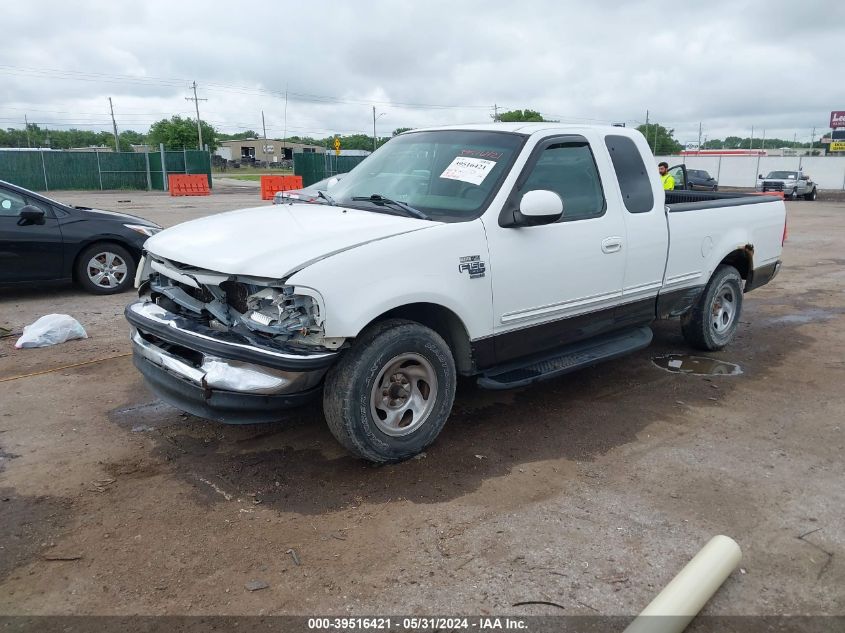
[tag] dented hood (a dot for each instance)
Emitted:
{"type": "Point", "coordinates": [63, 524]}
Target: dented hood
{"type": "Point", "coordinates": [275, 241]}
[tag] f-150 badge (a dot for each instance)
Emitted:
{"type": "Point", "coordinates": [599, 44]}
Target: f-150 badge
{"type": "Point", "coordinates": [473, 265]}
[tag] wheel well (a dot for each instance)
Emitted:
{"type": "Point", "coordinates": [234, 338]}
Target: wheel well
{"type": "Point", "coordinates": [741, 259]}
{"type": "Point", "coordinates": [443, 321]}
{"type": "Point", "coordinates": [136, 255]}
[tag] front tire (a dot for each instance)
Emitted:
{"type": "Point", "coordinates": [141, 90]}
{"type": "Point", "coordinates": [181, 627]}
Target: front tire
{"type": "Point", "coordinates": [105, 269]}
{"type": "Point", "coordinates": [794, 194]}
{"type": "Point", "coordinates": [389, 396]}
{"type": "Point", "coordinates": [712, 322]}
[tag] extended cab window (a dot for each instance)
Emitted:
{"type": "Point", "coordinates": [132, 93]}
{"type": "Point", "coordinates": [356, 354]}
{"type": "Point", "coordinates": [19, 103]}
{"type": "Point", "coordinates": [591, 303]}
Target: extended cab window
{"type": "Point", "coordinates": [569, 170]}
{"type": "Point", "coordinates": [631, 173]}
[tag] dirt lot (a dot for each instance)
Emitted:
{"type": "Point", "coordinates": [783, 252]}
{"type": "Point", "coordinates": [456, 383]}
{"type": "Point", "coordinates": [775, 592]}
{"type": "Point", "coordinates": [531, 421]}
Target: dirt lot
{"type": "Point", "coordinates": [589, 491]}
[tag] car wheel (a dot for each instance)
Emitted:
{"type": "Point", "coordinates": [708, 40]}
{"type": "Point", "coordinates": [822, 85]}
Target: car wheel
{"type": "Point", "coordinates": [812, 195]}
{"type": "Point", "coordinates": [105, 269]}
{"type": "Point", "coordinates": [712, 322]}
{"type": "Point", "coordinates": [389, 396]}
{"type": "Point", "coordinates": [715, 188]}
{"type": "Point", "coordinates": [794, 194]}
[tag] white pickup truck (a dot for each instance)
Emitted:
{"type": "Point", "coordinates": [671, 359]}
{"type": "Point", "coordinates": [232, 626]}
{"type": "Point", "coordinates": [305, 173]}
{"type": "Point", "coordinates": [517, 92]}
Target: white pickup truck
{"type": "Point", "coordinates": [510, 252]}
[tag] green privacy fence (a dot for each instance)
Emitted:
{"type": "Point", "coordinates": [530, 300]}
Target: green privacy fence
{"type": "Point", "coordinates": [51, 170]}
{"type": "Point", "coordinates": [314, 167]}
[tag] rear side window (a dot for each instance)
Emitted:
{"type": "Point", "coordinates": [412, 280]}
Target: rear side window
{"type": "Point", "coordinates": [631, 174]}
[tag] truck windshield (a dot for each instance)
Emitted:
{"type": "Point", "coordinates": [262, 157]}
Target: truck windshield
{"type": "Point", "coordinates": [449, 175]}
{"type": "Point", "coordinates": [782, 175]}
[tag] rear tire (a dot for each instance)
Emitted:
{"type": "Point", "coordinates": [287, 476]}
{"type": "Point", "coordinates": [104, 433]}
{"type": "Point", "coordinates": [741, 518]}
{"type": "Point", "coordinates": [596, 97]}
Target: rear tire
{"type": "Point", "coordinates": [811, 196]}
{"type": "Point", "coordinates": [712, 322]}
{"type": "Point", "coordinates": [389, 396]}
{"type": "Point", "coordinates": [105, 268]}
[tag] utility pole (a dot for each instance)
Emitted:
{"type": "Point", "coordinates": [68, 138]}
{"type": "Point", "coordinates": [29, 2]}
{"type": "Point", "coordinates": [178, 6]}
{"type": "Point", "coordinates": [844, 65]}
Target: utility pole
{"type": "Point", "coordinates": [763, 146]}
{"type": "Point", "coordinates": [285, 133]}
{"type": "Point", "coordinates": [26, 127]}
{"type": "Point", "coordinates": [699, 136]}
{"type": "Point", "coordinates": [812, 141]}
{"type": "Point", "coordinates": [196, 101]}
{"type": "Point", "coordinates": [264, 127]}
{"type": "Point", "coordinates": [374, 128]}
{"type": "Point", "coordinates": [114, 127]}
{"type": "Point", "coordinates": [495, 113]}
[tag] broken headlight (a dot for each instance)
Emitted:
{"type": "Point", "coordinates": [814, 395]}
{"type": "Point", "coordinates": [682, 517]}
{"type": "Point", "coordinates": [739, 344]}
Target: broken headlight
{"type": "Point", "coordinates": [278, 311]}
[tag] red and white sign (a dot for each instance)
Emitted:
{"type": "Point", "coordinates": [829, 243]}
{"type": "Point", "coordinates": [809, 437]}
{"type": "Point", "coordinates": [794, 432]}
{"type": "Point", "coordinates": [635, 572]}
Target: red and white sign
{"type": "Point", "coordinates": [837, 119]}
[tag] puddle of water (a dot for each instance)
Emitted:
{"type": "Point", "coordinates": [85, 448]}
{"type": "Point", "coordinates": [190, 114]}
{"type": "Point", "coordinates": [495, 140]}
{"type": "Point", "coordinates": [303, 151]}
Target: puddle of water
{"type": "Point", "coordinates": [696, 365]}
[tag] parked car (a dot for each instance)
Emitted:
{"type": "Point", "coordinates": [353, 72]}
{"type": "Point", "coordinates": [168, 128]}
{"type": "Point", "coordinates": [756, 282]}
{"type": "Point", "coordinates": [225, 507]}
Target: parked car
{"type": "Point", "coordinates": [509, 252]}
{"type": "Point", "coordinates": [792, 183]}
{"type": "Point", "coordinates": [307, 194]}
{"type": "Point", "coordinates": [700, 180]}
{"type": "Point", "coordinates": [44, 240]}
{"type": "Point", "coordinates": [692, 179]}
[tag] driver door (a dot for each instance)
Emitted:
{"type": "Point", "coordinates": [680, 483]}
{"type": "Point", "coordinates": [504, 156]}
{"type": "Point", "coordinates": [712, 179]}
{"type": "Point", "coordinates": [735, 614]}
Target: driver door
{"type": "Point", "coordinates": [558, 283]}
{"type": "Point", "coordinates": [28, 252]}
{"type": "Point", "coordinates": [679, 173]}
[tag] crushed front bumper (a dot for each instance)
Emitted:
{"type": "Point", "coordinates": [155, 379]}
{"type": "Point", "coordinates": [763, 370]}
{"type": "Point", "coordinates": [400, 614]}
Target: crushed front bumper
{"type": "Point", "coordinates": [220, 375]}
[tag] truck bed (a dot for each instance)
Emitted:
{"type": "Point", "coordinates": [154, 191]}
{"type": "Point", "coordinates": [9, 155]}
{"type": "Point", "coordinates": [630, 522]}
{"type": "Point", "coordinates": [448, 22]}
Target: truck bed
{"type": "Point", "coordinates": [703, 226]}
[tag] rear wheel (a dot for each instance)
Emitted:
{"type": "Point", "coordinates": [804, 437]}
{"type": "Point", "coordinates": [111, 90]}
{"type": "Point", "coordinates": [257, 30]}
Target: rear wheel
{"type": "Point", "coordinates": [712, 322]}
{"type": "Point", "coordinates": [389, 396]}
{"type": "Point", "coordinates": [811, 196]}
{"type": "Point", "coordinates": [105, 269]}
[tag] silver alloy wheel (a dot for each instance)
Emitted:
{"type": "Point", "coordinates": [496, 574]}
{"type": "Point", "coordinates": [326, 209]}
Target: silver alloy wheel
{"type": "Point", "coordinates": [403, 394]}
{"type": "Point", "coordinates": [723, 310]}
{"type": "Point", "coordinates": [106, 270]}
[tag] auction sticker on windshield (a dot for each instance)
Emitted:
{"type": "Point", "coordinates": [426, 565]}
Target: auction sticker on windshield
{"type": "Point", "coordinates": [472, 170]}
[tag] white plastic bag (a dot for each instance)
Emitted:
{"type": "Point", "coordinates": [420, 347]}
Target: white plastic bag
{"type": "Point", "coordinates": [50, 330]}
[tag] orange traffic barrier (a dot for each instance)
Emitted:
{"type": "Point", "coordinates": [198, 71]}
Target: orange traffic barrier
{"type": "Point", "coordinates": [272, 184]}
{"type": "Point", "coordinates": [778, 194]}
{"type": "Point", "coordinates": [188, 184]}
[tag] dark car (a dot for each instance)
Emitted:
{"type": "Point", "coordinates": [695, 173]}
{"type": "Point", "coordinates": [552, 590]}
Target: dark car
{"type": "Point", "coordinates": [44, 240]}
{"type": "Point", "coordinates": [700, 180]}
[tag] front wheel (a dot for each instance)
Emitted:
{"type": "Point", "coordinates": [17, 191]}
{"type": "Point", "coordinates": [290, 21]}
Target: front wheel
{"type": "Point", "coordinates": [712, 322]}
{"type": "Point", "coordinates": [105, 269]}
{"type": "Point", "coordinates": [389, 396]}
{"type": "Point", "coordinates": [794, 195]}
{"type": "Point", "coordinates": [811, 196]}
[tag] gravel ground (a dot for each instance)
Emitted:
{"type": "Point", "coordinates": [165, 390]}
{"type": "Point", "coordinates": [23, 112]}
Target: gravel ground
{"type": "Point", "coordinates": [590, 491]}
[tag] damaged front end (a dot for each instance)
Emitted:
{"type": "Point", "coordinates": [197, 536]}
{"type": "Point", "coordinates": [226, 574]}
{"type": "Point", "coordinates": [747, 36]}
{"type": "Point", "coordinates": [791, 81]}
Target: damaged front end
{"type": "Point", "coordinates": [227, 347]}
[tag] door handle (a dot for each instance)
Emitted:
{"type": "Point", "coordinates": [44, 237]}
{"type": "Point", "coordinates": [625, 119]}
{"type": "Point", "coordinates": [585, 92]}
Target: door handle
{"type": "Point", "coordinates": [611, 245]}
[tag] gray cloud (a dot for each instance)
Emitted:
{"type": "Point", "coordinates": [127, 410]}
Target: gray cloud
{"type": "Point", "coordinates": [731, 65]}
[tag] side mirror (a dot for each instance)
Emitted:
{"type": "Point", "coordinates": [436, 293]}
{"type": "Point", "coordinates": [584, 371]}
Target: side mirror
{"type": "Point", "coordinates": [30, 215]}
{"type": "Point", "coordinates": [537, 207]}
{"type": "Point", "coordinates": [760, 176]}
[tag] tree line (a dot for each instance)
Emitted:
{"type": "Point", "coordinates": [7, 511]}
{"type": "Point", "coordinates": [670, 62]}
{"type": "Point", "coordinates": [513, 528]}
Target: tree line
{"type": "Point", "coordinates": [179, 132]}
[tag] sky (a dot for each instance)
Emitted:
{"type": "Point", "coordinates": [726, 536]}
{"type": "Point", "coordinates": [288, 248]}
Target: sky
{"type": "Point", "coordinates": [774, 66]}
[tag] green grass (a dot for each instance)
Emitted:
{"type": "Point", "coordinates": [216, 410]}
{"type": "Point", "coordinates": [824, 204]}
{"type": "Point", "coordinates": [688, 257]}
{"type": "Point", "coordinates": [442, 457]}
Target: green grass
{"type": "Point", "coordinates": [255, 177]}
{"type": "Point", "coordinates": [251, 174]}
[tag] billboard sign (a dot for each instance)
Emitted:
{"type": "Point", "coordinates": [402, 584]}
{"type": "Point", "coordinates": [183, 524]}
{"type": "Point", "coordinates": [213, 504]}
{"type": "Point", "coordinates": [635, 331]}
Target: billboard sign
{"type": "Point", "coordinates": [837, 119]}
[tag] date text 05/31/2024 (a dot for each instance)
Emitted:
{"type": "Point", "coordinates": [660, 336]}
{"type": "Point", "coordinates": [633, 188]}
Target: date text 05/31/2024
{"type": "Point", "coordinates": [416, 624]}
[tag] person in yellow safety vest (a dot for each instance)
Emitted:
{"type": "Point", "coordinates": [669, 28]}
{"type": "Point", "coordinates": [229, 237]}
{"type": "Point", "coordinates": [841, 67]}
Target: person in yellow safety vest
{"type": "Point", "coordinates": [665, 176]}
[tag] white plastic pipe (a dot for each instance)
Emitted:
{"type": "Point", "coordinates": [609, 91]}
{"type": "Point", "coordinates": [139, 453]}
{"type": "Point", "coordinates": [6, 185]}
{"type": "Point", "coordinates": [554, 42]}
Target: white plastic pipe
{"type": "Point", "coordinates": [674, 607]}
